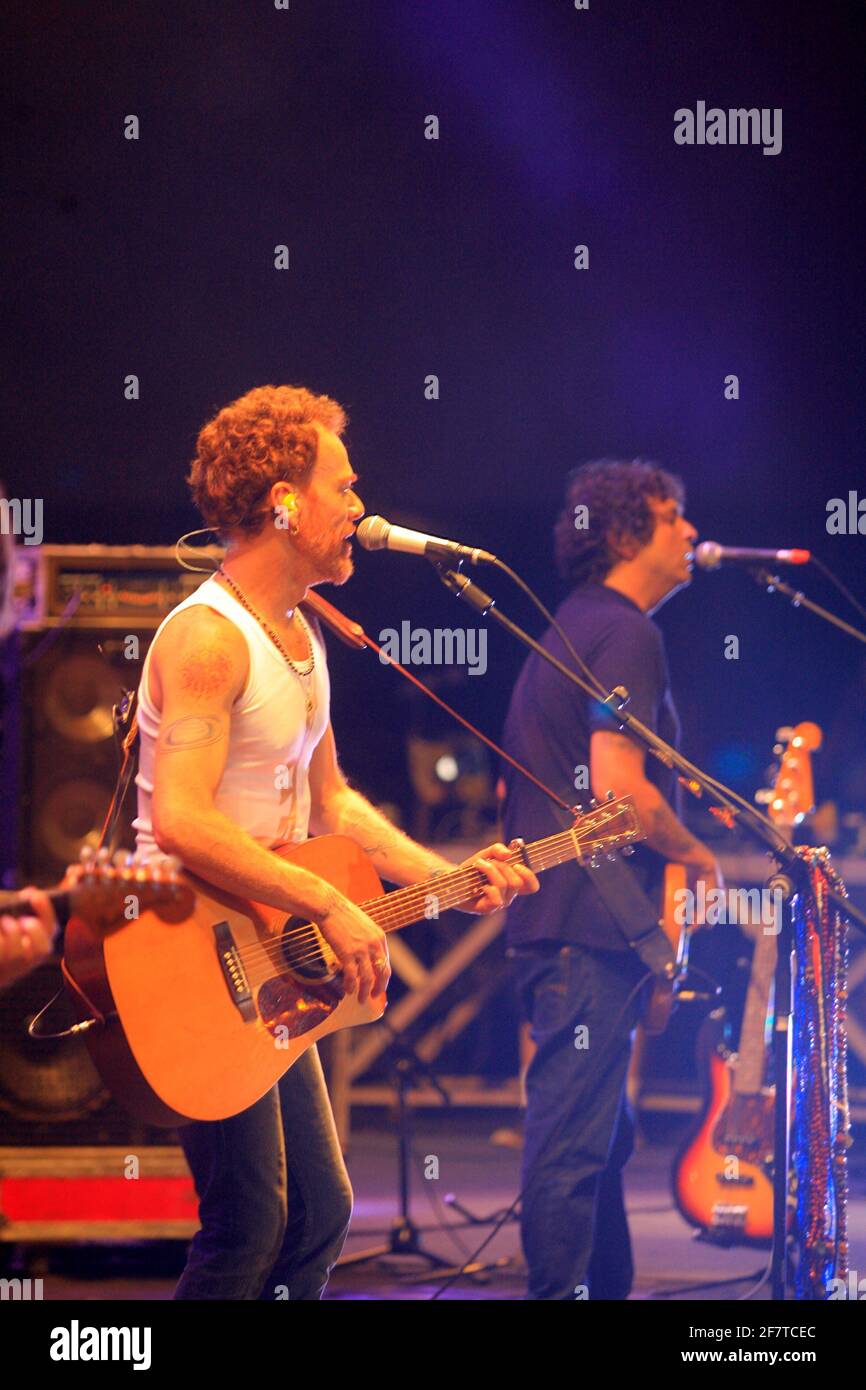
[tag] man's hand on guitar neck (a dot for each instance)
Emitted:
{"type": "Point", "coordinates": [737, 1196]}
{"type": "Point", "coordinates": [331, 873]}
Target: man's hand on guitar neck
{"type": "Point", "coordinates": [26, 941]}
{"type": "Point", "coordinates": [339, 809]}
{"type": "Point", "coordinates": [504, 880]}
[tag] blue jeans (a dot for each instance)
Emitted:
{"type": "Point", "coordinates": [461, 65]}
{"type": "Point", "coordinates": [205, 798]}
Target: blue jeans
{"type": "Point", "coordinates": [274, 1196]}
{"type": "Point", "coordinates": [578, 1132]}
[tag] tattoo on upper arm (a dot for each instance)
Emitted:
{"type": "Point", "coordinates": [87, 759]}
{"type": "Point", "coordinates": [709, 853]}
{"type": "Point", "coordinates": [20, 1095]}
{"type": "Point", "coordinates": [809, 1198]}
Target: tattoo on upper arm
{"type": "Point", "coordinates": [192, 731]}
{"type": "Point", "coordinates": [205, 671]}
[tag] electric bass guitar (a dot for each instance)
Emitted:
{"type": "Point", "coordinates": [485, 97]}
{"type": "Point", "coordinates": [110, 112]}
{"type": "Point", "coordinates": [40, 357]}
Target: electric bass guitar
{"type": "Point", "coordinates": [723, 1175]}
{"type": "Point", "coordinates": [194, 1006]}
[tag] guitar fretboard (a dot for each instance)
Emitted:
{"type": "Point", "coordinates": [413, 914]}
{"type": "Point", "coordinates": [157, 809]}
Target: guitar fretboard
{"type": "Point", "coordinates": [586, 837]}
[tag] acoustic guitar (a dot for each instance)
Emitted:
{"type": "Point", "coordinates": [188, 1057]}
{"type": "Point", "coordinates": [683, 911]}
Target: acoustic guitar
{"type": "Point", "coordinates": [201, 1002]}
{"type": "Point", "coordinates": [723, 1174]}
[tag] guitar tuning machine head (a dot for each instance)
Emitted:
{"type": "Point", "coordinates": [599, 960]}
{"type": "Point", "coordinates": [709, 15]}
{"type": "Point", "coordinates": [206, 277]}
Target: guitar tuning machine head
{"type": "Point", "coordinates": [627, 849]}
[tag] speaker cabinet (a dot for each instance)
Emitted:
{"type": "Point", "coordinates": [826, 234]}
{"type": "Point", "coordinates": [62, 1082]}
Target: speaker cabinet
{"type": "Point", "coordinates": [58, 756]}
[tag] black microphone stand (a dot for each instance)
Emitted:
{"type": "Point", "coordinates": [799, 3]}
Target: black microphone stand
{"type": "Point", "coordinates": [408, 1070]}
{"type": "Point", "coordinates": [791, 878]}
{"type": "Point", "coordinates": [773, 584]}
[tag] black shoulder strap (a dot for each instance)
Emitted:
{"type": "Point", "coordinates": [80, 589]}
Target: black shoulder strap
{"type": "Point", "coordinates": [634, 913]}
{"type": "Point", "coordinates": [125, 717]}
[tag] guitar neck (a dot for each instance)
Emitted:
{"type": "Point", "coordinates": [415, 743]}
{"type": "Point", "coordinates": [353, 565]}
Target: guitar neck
{"type": "Point", "coordinates": [14, 905]}
{"type": "Point", "coordinates": [749, 1072]}
{"type": "Point", "coordinates": [407, 905]}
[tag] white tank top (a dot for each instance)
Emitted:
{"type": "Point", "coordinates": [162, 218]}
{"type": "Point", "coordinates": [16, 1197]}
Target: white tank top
{"type": "Point", "coordinates": [265, 786]}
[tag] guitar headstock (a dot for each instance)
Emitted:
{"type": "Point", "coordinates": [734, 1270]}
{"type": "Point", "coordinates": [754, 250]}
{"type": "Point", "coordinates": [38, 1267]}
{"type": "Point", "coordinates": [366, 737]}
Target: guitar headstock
{"type": "Point", "coordinates": [105, 889]}
{"type": "Point", "coordinates": [793, 796]}
{"type": "Point", "coordinates": [606, 827]}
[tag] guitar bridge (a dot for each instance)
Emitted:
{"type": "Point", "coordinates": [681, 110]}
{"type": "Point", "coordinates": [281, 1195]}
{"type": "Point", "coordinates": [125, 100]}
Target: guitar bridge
{"type": "Point", "coordinates": [729, 1217]}
{"type": "Point", "coordinates": [233, 971]}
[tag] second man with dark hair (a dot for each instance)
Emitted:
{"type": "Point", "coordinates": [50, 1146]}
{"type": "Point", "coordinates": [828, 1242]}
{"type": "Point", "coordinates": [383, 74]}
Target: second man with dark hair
{"type": "Point", "coordinates": [624, 544]}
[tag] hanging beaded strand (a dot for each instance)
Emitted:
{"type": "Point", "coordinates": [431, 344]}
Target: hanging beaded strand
{"type": "Point", "coordinates": [302, 672]}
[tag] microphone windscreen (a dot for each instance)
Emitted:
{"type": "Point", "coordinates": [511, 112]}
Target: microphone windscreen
{"type": "Point", "coordinates": [372, 533]}
{"type": "Point", "coordinates": [708, 555]}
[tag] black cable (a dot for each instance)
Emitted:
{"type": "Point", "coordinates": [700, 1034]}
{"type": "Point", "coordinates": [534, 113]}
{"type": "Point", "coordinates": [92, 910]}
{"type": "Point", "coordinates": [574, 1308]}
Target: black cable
{"type": "Point", "coordinates": [828, 574]}
{"type": "Point", "coordinates": [530, 593]}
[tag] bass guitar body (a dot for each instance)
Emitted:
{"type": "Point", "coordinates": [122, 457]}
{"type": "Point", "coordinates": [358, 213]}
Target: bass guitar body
{"type": "Point", "coordinates": [722, 1177]}
{"type": "Point", "coordinates": [207, 999]}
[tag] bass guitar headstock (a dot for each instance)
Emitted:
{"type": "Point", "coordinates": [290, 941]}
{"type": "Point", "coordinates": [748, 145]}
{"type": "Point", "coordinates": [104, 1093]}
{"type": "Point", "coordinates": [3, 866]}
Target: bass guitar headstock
{"type": "Point", "coordinates": [792, 797]}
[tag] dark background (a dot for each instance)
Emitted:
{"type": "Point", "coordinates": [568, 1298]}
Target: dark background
{"type": "Point", "coordinates": [455, 257]}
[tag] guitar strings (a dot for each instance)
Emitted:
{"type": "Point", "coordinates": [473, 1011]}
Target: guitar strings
{"type": "Point", "coordinates": [397, 902]}
{"type": "Point", "coordinates": [309, 935]}
{"type": "Point", "coordinates": [392, 917]}
{"type": "Point", "coordinates": [410, 895]}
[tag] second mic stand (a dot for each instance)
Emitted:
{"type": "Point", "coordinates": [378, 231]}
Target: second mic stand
{"type": "Point", "coordinates": [405, 1237]}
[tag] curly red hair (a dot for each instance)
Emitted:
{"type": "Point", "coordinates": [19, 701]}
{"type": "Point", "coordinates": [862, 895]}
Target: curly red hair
{"type": "Point", "coordinates": [264, 437]}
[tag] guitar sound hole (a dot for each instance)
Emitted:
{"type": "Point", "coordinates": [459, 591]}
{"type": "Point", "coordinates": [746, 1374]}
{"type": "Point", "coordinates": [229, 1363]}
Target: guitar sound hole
{"type": "Point", "coordinates": [302, 950]}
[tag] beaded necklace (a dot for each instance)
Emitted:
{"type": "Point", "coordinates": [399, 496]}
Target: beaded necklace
{"type": "Point", "coordinates": [302, 672]}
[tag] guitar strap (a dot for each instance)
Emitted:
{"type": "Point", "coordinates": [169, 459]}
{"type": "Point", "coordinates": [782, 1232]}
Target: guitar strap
{"type": "Point", "coordinates": [635, 915]}
{"type": "Point", "coordinates": [125, 719]}
{"type": "Point", "coordinates": [630, 907]}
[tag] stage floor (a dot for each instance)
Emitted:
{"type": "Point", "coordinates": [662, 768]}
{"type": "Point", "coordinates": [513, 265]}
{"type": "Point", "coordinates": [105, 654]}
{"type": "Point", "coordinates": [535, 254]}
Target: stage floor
{"type": "Point", "coordinates": [483, 1176]}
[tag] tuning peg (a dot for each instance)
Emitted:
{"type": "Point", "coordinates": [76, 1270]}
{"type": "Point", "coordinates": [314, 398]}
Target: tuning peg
{"type": "Point", "coordinates": [86, 855]}
{"type": "Point", "coordinates": [627, 849]}
{"type": "Point", "coordinates": [611, 796]}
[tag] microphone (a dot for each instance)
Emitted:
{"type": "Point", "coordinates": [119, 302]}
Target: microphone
{"type": "Point", "coordinates": [375, 533]}
{"type": "Point", "coordinates": [709, 555]}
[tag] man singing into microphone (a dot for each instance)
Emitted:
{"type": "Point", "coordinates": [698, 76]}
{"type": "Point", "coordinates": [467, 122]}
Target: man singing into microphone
{"type": "Point", "coordinates": [234, 692]}
{"type": "Point", "coordinates": [624, 546]}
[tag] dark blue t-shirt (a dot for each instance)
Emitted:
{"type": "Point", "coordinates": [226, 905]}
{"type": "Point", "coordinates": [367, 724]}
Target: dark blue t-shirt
{"type": "Point", "coordinates": [548, 729]}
